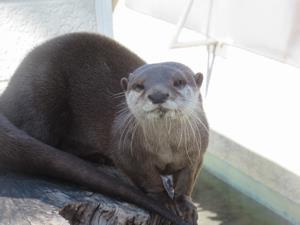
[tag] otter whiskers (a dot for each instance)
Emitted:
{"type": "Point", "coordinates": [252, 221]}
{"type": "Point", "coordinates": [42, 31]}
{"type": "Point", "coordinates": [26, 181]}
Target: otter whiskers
{"type": "Point", "coordinates": [155, 132]}
{"type": "Point", "coordinates": [127, 121]}
{"type": "Point", "coordinates": [118, 95]}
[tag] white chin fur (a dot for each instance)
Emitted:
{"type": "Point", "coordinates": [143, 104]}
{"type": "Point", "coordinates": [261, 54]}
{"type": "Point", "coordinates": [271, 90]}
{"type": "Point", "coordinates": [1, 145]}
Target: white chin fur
{"type": "Point", "coordinates": [151, 116]}
{"type": "Point", "coordinates": [148, 107]}
{"type": "Point", "coordinates": [157, 115]}
{"type": "Point", "coordinates": [171, 105]}
{"type": "Point", "coordinates": [168, 105]}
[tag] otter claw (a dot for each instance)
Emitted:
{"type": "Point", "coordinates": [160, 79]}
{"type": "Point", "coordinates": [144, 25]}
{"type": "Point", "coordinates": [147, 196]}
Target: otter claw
{"type": "Point", "coordinates": [168, 184]}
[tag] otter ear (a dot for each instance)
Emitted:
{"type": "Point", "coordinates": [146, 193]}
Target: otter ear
{"type": "Point", "coordinates": [124, 83]}
{"type": "Point", "coordinates": [199, 79]}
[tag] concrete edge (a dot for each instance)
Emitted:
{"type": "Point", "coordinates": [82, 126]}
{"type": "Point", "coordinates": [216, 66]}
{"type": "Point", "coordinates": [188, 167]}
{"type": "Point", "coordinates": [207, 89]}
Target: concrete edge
{"type": "Point", "coordinates": [252, 188]}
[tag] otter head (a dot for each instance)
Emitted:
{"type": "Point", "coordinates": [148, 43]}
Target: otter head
{"type": "Point", "coordinates": [162, 90]}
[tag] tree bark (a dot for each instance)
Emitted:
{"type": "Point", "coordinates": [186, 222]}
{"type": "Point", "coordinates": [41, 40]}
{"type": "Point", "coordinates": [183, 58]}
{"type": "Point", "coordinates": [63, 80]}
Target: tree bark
{"type": "Point", "coordinates": [26, 200]}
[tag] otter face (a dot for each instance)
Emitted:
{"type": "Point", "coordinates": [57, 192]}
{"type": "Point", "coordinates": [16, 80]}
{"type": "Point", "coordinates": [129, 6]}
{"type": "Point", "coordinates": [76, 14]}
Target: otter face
{"type": "Point", "coordinates": [163, 90]}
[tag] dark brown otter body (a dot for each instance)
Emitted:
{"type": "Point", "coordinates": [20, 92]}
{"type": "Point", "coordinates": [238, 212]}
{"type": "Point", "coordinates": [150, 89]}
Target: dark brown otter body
{"type": "Point", "coordinates": [59, 107]}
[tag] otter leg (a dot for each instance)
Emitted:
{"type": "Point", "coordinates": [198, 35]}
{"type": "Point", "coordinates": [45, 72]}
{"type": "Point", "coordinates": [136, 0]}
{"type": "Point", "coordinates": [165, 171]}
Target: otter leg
{"type": "Point", "coordinates": [143, 175]}
{"type": "Point", "coordinates": [146, 177]}
{"type": "Point", "coordinates": [185, 181]}
{"type": "Point", "coordinates": [183, 189]}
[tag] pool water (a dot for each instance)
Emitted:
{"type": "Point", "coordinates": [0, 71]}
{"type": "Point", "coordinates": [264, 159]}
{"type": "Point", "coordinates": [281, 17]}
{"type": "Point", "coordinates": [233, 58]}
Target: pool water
{"type": "Point", "coordinates": [220, 204]}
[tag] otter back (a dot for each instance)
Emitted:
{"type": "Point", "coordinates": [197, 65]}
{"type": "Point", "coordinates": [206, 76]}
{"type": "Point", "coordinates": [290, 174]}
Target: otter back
{"type": "Point", "coordinates": [59, 107]}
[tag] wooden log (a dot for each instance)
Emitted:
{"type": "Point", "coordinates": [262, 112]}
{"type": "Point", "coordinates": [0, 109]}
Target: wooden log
{"type": "Point", "coordinates": [26, 200]}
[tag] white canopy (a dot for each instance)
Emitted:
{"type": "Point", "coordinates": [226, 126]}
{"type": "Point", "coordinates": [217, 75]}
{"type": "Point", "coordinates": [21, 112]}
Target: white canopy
{"type": "Point", "coordinates": [267, 27]}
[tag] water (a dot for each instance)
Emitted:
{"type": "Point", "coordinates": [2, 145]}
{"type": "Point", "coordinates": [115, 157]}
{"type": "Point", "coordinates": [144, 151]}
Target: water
{"type": "Point", "coordinates": [220, 204]}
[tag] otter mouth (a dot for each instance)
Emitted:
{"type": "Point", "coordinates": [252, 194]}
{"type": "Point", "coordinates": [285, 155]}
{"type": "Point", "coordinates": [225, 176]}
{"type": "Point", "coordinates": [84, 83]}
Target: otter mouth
{"type": "Point", "coordinates": [160, 111]}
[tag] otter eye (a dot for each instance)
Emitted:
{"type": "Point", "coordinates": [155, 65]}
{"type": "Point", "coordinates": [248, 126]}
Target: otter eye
{"type": "Point", "coordinates": [179, 83]}
{"type": "Point", "coordinates": [138, 87]}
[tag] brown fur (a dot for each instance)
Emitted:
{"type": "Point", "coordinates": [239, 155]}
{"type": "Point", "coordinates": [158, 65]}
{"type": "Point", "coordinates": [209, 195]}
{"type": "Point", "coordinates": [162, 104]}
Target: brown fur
{"type": "Point", "coordinates": [58, 110]}
{"type": "Point", "coordinates": [171, 141]}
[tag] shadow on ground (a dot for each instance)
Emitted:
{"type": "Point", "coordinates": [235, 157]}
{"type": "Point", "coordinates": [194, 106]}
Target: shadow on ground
{"type": "Point", "coordinates": [220, 204]}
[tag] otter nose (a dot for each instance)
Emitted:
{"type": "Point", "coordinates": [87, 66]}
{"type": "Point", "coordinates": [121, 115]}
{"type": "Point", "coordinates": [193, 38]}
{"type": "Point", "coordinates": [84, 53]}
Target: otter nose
{"type": "Point", "coordinates": [158, 97]}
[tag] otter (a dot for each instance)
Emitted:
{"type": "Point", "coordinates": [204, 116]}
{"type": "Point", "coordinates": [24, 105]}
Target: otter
{"type": "Point", "coordinates": [83, 98]}
{"type": "Point", "coordinates": [161, 132]}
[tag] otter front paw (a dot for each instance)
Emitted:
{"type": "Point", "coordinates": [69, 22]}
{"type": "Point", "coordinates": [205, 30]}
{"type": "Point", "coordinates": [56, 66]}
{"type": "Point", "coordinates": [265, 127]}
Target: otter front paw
{"type": "Point", "coordinates": [186, 209]}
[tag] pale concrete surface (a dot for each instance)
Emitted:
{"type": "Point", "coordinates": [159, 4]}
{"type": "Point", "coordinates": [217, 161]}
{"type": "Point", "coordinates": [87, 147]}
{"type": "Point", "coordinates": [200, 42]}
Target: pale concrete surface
{"type": "Point", "coordinates": [26, 23]}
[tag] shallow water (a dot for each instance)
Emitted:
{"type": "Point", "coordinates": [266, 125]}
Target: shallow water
{"type": "Point", "coordinates": [220, 204]}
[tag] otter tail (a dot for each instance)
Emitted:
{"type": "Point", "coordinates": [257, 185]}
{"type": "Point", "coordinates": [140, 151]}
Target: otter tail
{"type": "Point", "coordinates": [24, 153]}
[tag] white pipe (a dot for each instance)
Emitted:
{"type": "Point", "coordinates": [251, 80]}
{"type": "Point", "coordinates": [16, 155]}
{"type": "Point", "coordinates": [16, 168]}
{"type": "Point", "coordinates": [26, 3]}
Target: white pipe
{"type": "Point", "coordinates": [104, 17]}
